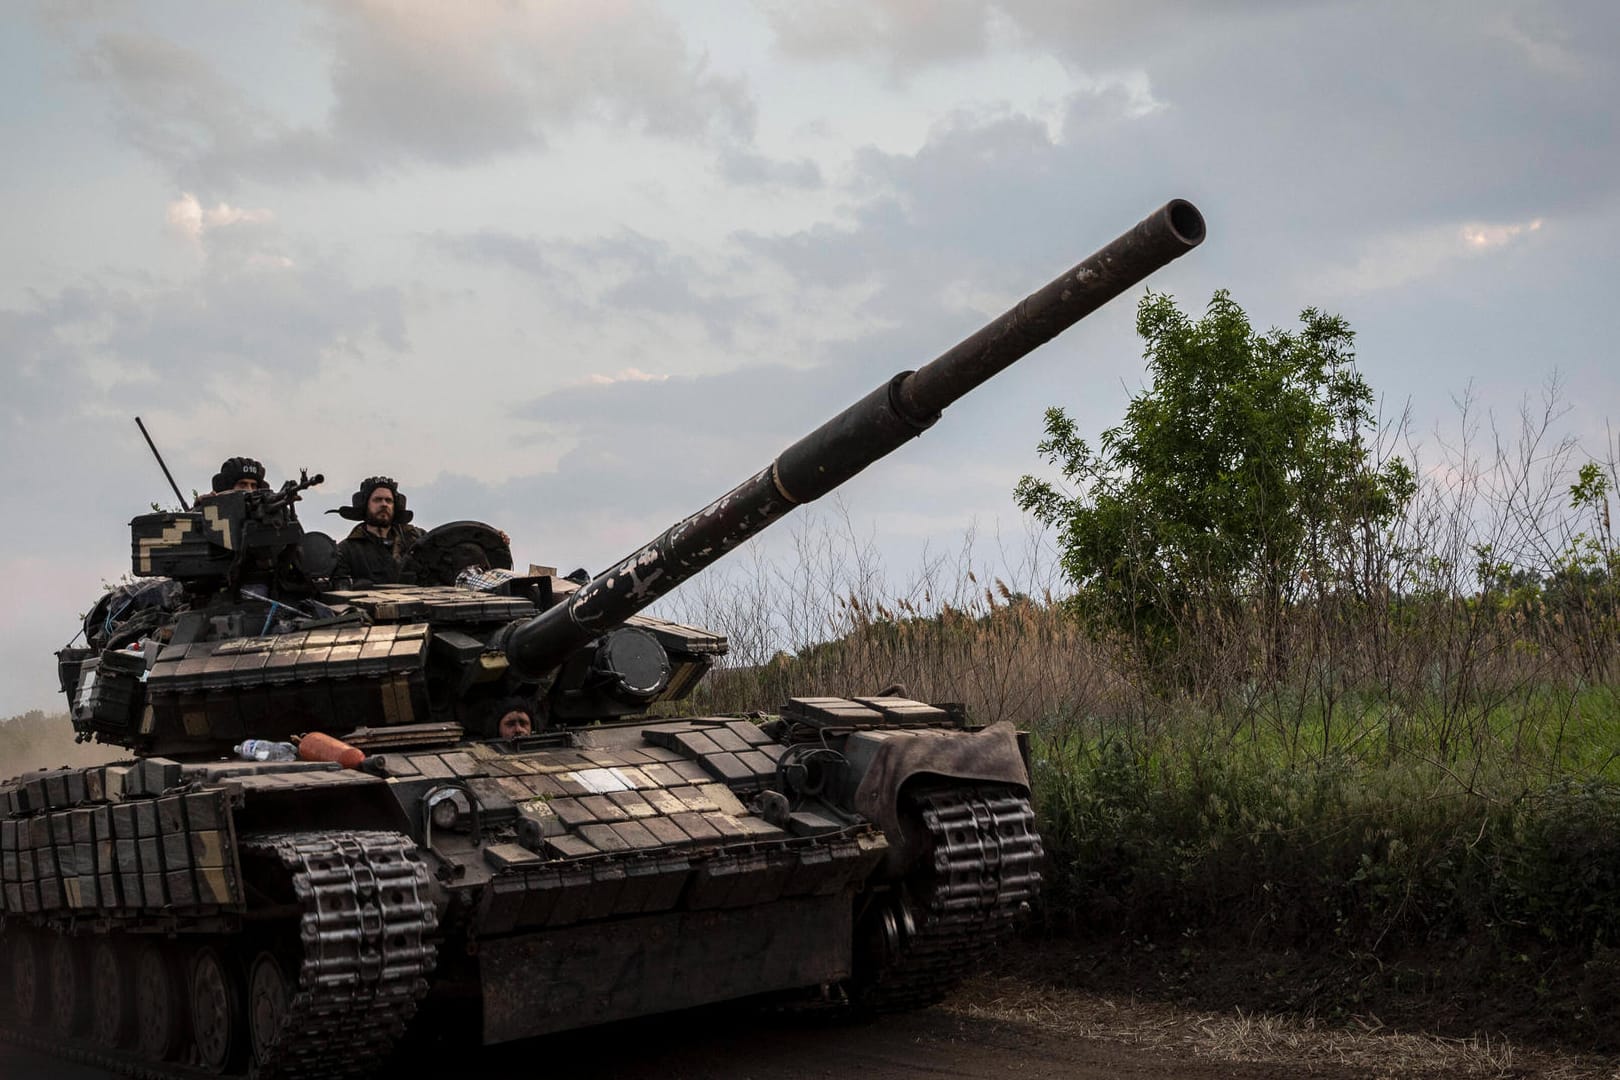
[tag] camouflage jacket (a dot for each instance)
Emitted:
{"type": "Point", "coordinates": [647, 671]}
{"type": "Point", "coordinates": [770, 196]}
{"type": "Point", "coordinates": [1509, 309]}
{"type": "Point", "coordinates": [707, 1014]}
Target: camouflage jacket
{"type": "Point", "coordinates": [365, 559]}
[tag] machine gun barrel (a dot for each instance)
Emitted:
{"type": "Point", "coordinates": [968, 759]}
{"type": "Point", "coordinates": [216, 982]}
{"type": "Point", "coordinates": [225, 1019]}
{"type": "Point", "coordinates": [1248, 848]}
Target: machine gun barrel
{"type": "Point", "coordinates": [879, 423]}
{"type": "Point", "coordinates": [288, 492]}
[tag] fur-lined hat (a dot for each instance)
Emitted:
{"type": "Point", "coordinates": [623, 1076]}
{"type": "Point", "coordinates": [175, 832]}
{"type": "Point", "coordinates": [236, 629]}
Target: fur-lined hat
{"type": "Point", "coordinates": [356, 510]}
{"type": "Point", "coordinates": [237, 469]}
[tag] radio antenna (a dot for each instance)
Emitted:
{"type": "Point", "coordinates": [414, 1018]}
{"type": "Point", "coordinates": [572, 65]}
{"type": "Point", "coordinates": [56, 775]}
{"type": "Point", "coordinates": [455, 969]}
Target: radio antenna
{"type": "Point", "coordinates": [166, 474]}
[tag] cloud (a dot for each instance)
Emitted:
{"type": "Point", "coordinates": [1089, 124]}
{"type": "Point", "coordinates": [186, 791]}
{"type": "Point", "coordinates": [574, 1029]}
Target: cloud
{"type": "Point", "coordinates": [171, 103]}
{"type": "Point", "coordinates": [426, 83]}
{"type": "Point", "coordinates": [606, 279]}
{"type": "Point", "coordinates": [187, 217]}
{"type": "Point", "coordinates": [1483, 108]}
{"type": "Point", "coordinates": [747, 169]}
{"type": "Point", "coordinates": [627, 375]}
{"type": "Point", "coordinates": [1484, 237]}
{"type": "Point", "coordinates": [1442, 163]}
{"type": "Point", "coordinates": [969, 214]}
{"type": "Point", "coordinates": [494, 248]}
{"type": "Point", "coordinates": [1103, 105]}
{"type": "Point", "coordinates": [43, 343]}
{"type": "Point", "coordinates": [462, 80]}
{"type": "Point", "coordinates": [903, 33]}
{"type": "Point", "coordinates": [252, 307]}
{"type": "Point", "coordinates": [115, 343]}
{"type": "Point", "coordinates": [909, 35]}
{"type": "Point", "coordinates": [1399, 259]}
{"type": "Point", "coordinates": [1544, 42]}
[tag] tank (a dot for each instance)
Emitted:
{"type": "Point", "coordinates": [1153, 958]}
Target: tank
{"type": "Point", "coordinates": [198, 909]}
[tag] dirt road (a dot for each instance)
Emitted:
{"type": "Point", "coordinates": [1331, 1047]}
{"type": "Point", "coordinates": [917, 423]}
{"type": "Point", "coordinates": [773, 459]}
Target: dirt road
{"type": "Point", "coordinates": [995, 1030]}
{"type": "Point", "coordinates": [929, 1044]}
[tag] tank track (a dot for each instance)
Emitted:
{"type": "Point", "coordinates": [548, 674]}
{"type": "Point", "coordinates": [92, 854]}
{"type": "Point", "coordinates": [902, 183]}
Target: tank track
{"type": "Point", "coordinates": [365, 930]}
{"type": "Point", "coordinates": [983, 873]}
{"type": "Point", "coordinates": [364, 968]}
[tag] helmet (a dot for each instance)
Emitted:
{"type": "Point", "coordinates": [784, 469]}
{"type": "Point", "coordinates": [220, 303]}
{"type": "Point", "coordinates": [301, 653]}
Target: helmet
{"type": "Point", "coordinates": [356, 510]}
{"type": "Point", "coordinates": [237, 469]}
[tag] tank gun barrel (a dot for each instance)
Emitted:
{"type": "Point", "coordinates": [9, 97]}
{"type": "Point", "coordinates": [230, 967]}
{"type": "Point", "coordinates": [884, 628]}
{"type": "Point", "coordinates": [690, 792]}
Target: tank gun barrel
{"type": "Point", "coordinates": [899, 410]}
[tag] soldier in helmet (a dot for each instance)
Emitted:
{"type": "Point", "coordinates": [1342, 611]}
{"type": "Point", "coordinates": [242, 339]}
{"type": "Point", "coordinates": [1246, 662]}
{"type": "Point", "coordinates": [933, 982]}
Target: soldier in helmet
{"type": "Point", "coordinates": [237, 474]}
{"type": "Point", "coordinates": [375, 551]}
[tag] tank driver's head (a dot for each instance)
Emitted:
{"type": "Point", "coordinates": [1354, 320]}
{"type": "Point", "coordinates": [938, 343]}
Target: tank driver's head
{"type": "Point", "coordinates": [515, 718]}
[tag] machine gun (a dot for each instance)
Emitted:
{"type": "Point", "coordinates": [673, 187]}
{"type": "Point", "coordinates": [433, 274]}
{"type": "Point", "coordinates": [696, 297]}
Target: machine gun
{"type": "Point", "coordinates": [219, 538]}
{"type": "Point", "coordinates": [267, 506]}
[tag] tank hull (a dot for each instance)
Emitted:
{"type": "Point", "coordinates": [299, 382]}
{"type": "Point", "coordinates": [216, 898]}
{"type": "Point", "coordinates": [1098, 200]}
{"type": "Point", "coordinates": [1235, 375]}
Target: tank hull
{"type": "Point", "coordinates": [296, 919]}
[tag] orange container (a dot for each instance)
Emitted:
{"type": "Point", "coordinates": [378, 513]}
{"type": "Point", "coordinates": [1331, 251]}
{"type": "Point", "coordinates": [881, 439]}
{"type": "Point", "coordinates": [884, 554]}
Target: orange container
{"type": "Point", "coordinates": [317, 746]}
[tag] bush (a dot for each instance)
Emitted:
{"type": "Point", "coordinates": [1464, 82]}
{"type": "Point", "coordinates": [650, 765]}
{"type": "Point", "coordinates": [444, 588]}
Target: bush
{"type": "Point", "coordinates": [1343, 857]}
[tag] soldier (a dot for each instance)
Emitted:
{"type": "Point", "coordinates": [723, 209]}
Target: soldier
{"type": "Point", "coordinates": [375, 551]}
{"type": "Point", "coordinates": [237, 474]}
{"type": "Point", "coordinates": [516, 718]}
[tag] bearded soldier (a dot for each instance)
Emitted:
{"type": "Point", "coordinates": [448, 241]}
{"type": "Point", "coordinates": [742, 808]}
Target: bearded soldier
{"type": "Point", "coordinates": [375, 551]}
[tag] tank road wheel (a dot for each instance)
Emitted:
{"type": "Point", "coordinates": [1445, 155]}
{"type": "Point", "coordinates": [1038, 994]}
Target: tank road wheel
{"type": "Point", "coordinates": [112, 1013]}
{"type": "Point", "coordinates": [70, 997]}
{"type": "Point", "coordinates": [160, 1005]}
{"type": "Point", "coordinates": [267, 1005]}
{"type": "Point", "coordinates": [27, 977]}
{"type": "Point", "coordinates": [217, 1023]}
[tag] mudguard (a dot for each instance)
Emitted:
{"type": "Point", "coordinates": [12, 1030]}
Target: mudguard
{"type": "Point", "coordinates": [887, 760]}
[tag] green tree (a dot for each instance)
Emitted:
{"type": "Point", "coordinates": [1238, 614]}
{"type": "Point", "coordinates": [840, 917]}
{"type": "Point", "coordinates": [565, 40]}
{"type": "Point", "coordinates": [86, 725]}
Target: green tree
{"type": "Point", "coordinates": [1583, 590]}
{"type": "Point", "coordinates": [1238, 479]}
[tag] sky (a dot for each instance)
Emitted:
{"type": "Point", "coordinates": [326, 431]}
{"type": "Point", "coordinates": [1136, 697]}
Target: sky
{"type": "Point", "coordinates": [576, 269]}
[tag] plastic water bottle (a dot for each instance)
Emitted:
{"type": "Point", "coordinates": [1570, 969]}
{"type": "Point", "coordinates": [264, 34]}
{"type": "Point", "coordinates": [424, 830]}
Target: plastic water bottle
{"type": "Point", "coordinates": [266, 750]}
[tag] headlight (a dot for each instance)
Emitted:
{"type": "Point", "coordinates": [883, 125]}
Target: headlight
{"type": "Point", "coordinates": [448, 808]}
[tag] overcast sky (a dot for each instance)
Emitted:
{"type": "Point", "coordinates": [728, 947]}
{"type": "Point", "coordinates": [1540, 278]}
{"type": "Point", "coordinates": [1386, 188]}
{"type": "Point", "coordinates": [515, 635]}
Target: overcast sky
{"type": "Point", "coordinates": [575, 269]}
